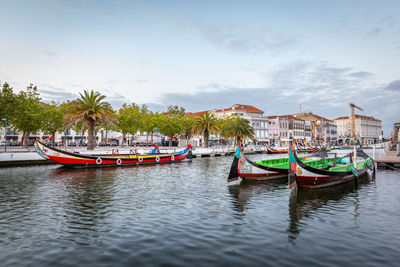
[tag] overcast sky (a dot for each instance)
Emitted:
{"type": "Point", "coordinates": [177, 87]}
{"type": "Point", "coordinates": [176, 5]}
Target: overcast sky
{"type": "Point", "coordinates": [274, 55]}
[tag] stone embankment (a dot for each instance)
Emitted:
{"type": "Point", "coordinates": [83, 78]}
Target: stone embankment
{"type": "Point", "coordinates": [27, 156]}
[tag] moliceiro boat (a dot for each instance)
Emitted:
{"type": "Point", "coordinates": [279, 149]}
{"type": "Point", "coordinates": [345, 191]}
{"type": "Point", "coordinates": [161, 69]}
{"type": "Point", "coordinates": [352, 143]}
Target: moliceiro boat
{"type": "Point", "coordinates": [263, 169]}
{"type": "Point", "coordinates": [326, 172]}
{"type": "Point", "coordinates": [285, 151]}
{"type": "Point", "coordinates": [75, 160]}
{"type": "Point", "coordinates": [258, 170]}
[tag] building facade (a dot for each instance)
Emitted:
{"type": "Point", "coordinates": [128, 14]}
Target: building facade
{"type": "Point", "coordinates": [286, 130]}
{"type": "Point", "coordinates": [395, 134]}
{"type": "Point", "coordinates": [368, 130]}
{"type": "Point", "coordinates": [320, 130]}
{"type": "Point", "coordinates": [278, 130]}
{"type": "Point", "coordinates": [254, 115]}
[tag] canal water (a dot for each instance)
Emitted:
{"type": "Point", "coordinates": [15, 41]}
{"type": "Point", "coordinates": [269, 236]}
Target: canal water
{"type": "Point", "coordinates": [186, 214]}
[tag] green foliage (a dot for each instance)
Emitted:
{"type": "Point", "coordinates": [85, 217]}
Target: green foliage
{"type": "Point", "coordinates": [176, 110]}
{"type": "Point", "coordinates": [52, 119]}
{"type": "Point", "coordinates": [7, 103]}
{"type": "Point", "coordinates": [129, 119]}
{"type": "Point", "coordinates": [237, 128]}
{"type": "Point", "coordinates": [90, 109]}
{"type": "Point", "coordinates": [28, 111]}
{"type": "Point", "coordinates": [206, 124]}
{"type": "Point", "coordinates": [188, 126]}
{"type": "Point", "coordinates": [172, 122]}
{"type": "Point", "coordinates": [81, 127]}
{"type": "Point", "coordinates": [150, 122]}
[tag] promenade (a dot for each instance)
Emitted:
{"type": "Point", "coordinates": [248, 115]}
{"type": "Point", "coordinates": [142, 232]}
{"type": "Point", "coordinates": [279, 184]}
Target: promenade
{"type": "Point", "coordinates": [391, 159]}
{"type": "Point", "coordinates": [19, 156]}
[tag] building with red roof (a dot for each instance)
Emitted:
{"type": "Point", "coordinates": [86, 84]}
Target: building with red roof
{"type": "Point", "coordinates": [368, 129]}
{"type": "Point", "coordinates": [321, 129]}
{"type": "Point", "coordinates": [254, 115]}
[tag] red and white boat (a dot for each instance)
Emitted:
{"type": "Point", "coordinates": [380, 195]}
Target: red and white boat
{"type": "Point", "coordinates": [76, 160]}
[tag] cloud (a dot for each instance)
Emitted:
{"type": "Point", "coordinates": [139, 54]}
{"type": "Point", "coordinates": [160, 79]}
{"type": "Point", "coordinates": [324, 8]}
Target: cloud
{"type": "Point", "coordinates": [374, 31]}
{"type": "Point", "coordinates": [112, 81]}
{"type": "Point", "coordinates": [73, 85]}
{"type": "Point", "coordinates": [116, 100]}
{"type": "Point", "coordinates": [51, 93]}
{"type": "Point", "coordinates": [318, 86]}
{"type": "Point", "coordinates": [101, 9]}
{"type": "Point", "coordinates": [394, 86]}
{"type": "Point", "coordinates": [50, 54]}
{"type": "Point", "coordinates": [245, 41]}
{"type": "Point", "coordinates": [156, 107]}
{"type": "Point", "coordinates": [140, 81]}
{"type": "Point", "coordinates": [361, 74]}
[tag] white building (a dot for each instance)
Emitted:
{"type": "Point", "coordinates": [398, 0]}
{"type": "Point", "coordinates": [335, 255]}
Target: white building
{"type": "Point", "coordinates": [368, 130]}
{"type": "Point", "coordinates": [252, 114]}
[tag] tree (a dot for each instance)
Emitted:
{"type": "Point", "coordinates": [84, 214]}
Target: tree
{"type": "Point", "coordinates": [188, 126]}
{"type": "Point", "coordinates": [90, 109]}
{"type": "Point", "coordinates": [7, 102]}
{"type": "Point", "coordinates": [237, 128]}
{"type": "Point", "coordinates": [171, 123]}
{"type": "Point", "coordinates": [28, 113]}
{"type": "Point", "coordinates": [150, 120]}
{"type": "Point", "coordinates": [129, 120]}
{"type": "Point", "coordinates": [206, 124]}
{"type": "Point", "coordinates": [176, 110]}
{"type": "Point", "coordinates": [52, 119]}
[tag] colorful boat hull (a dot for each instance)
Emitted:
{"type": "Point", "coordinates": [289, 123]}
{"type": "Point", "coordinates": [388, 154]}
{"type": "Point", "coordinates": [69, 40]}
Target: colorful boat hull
{"type": "Point", "coordinates": [247, 169]}
{"type": "Point", "coordinates": [284, 151]}
{"type": "Point", "coordinates": [304, 175]}
{"type": "Point", "coordinates": [76, 160]}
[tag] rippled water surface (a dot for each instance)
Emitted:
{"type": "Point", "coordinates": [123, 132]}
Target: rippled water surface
{"type": "Point", "coordinates": [186, 214]}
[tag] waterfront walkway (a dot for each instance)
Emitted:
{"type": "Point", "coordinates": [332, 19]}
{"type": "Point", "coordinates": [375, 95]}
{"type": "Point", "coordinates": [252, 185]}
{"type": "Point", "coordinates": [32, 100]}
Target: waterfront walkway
{"type": "Point", "coordinates": [16, 156]}
{"type": "Point", "coordinates": [390, 159]}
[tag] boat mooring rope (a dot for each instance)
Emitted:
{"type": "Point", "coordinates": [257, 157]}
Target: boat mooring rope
{"type": "Point", "coordinates": [387, 165]}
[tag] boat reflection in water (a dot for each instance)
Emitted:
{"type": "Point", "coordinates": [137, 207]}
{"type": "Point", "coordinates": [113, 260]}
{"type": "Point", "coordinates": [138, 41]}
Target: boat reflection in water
{"type": "Point", "coordinates": [86, 199]}
{"type": "Point", "coordinates": [246, 189]}
{"type": "Point", "coordinates": [304, 202]}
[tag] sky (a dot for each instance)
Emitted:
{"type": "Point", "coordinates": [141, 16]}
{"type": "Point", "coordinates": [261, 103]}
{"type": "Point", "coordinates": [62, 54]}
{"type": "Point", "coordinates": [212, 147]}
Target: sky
{"type": "Point", "coordinates": [279, 56]}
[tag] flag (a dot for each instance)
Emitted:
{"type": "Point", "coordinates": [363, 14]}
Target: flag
{"type": "Point", "coordinates": [292, 181]}
{"type": "Point", "coordinates": [238, 153]}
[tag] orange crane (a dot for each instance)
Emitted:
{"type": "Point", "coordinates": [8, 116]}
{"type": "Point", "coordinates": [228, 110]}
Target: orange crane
{"type": "Point", "coordinates": [353, 122]}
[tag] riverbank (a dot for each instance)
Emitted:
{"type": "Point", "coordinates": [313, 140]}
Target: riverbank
{"type": "Point", "coordinates": [19, 156]}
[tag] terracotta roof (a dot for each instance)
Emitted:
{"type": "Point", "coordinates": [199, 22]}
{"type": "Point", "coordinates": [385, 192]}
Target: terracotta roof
{"type": "Point", "coordinates": [291, 117]}
{"type": "Point", "coordinates": [313, 115]}
{"type": "Point", "coordinates": [272, 117]}
{"type": "Point", "coordinates": [234, 107]}
{"type": "Point", "coordinates": [358, 116]}
{"type": "Point", "coordinates": [322, 118]}
{"type": "Point", "coordinates": [241, 107]}
{"type": "Point", "coordinates": [196, 114]}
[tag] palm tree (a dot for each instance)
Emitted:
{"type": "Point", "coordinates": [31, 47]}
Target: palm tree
{"type": "Point", "coordinates": [206, 124]}
{"type": "Point", "coordinates": [238, 128]}
{"type": "Point", "coordinates": [89, 109]}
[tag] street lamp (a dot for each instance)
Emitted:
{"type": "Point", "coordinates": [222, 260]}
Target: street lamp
{"type": "Point", "coordinates": [5, 134]}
